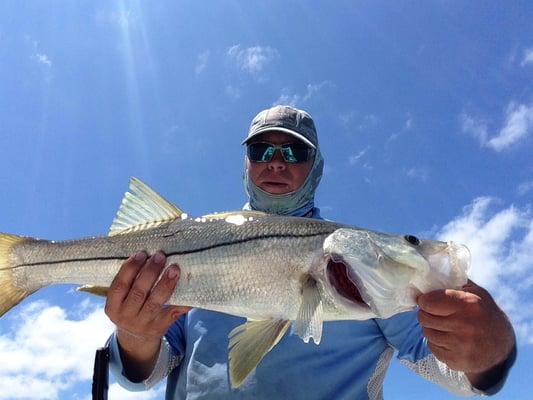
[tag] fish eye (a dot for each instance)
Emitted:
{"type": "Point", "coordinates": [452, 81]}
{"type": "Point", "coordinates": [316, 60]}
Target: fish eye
{"type": "Point", "coordinates": [412, 239]}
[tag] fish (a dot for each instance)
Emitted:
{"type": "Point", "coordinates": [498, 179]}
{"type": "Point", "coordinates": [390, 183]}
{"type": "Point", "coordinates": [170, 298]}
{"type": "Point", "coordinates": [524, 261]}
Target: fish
{"type": "Point", "coordinates": [276, 271]}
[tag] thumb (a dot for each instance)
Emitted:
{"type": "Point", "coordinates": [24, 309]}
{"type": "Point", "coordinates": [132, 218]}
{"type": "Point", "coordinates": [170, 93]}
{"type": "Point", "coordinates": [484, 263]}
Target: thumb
{"type": "Point", "coordinates": [172, 313]}
{"type": "Point", "coordinates": [445, 302]}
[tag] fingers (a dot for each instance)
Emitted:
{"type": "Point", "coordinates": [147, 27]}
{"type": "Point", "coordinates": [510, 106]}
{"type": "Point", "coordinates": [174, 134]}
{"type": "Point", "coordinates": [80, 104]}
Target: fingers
{"type": "Point", "coordinates": [440, 335]}
{"type": "Point", "coordinates": [438, 338]}
{"type": "Point", "coordinates": [161, 293]}
{"type": "Point", "coordinates": [430, 321]}
{"type": "Point", "coordinates": [122, 282]}
{"type": "Point", "coordinates": [456, 325]}
{"type": "Point", "coordinates": [465, 328]}
{"type": "Point", "coordinates": [143, 285]}
{"type": "Point", "coordinates": [137, 297]}
{"type": "Point", "coordinates": [445, 302]}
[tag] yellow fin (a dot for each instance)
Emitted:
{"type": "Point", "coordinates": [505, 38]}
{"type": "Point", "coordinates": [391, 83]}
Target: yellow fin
{"type": "Point", "coordinates": [96, 290]}
{"type": "Point", "coordinates": [10, 295]}
{"type": "Point", "coordinates": [248, 344]}
{"type": "Point", "coordinates": [142, 208]}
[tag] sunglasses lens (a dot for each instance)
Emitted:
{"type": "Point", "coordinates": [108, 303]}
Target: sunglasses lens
{"type": "Point", "coordinates": [292, 153]}
{"type": "Point", "coordinates": [296, 153]}
{"type": "Point", "coordinates": [260, 152]}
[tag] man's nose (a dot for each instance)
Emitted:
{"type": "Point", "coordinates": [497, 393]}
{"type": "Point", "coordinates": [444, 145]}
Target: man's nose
{"type": "Point", "coordinates": [277, 163]}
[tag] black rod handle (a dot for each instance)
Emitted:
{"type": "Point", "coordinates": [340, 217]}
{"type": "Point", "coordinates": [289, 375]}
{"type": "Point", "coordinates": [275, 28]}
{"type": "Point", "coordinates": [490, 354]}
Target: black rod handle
{"type": "Point", "coordinates": [101, 374]}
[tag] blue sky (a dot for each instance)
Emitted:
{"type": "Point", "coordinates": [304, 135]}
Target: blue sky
{"type": "Point", "coordinates": [424, 112]}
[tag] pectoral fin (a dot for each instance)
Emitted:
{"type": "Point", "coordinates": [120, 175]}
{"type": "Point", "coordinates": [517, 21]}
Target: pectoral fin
{"type": "Point", "coordinates": [248, 344]}
{"type": "Point", "coordinates": [308, 323]}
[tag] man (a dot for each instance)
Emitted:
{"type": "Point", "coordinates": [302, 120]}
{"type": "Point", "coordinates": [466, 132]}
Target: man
{"type": "Point", "coordinates": [458, 330]}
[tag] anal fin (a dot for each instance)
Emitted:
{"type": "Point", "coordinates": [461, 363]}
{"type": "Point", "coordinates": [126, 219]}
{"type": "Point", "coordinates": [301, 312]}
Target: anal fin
{"type": "Point", "coordinates": [96, 290]}
{"type": "Point", "coordinates": [248, 344]}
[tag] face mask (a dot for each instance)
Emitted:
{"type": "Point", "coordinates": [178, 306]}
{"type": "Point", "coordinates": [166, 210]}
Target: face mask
{"type": "Point", "coordinates": [297, 203]}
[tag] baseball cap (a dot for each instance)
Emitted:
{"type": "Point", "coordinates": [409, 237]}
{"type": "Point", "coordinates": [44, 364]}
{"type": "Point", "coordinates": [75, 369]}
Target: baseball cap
{"type": "Point", "coordinates": [286, 119]}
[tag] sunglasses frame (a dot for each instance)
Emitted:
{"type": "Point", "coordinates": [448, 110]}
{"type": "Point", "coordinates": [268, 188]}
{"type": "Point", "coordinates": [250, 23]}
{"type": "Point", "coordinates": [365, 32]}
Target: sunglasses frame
{"type": "Point", "coordinates": [280, 147]}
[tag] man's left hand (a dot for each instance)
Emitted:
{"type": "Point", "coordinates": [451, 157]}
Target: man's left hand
{"type": "Point", "coordinates": [466, 330]}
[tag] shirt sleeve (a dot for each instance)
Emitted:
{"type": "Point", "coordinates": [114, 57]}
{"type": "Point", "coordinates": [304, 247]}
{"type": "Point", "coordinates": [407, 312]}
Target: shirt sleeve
{"type": "Point", "coordinates": [404, 334]}
{"type": "Point", "coordinates": [170, 355]}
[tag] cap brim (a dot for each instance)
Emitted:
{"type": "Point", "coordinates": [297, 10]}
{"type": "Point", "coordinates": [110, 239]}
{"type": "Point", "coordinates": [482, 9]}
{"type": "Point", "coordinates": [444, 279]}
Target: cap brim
{"type": "Point", "coordinates": [297, 135]}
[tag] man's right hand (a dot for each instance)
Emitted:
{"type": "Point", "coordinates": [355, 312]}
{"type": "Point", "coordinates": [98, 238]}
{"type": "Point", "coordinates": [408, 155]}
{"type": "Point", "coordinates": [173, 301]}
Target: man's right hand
{"type": "Point", "coordinates": [137, 307]}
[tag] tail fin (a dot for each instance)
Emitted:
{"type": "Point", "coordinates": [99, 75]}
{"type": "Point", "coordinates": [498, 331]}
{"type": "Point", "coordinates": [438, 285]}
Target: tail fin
{"type": "Point", "coordinates": [10, 295]}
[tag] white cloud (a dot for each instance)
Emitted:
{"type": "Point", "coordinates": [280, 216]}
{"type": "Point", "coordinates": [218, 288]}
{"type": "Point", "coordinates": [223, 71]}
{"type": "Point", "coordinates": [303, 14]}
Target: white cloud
{"type": "Point", "coordinates": [233, 92]}
{"type": "Point", "coordinates": [501, 243]}
{"type": "Point", "coordinates": [47, 351]}
{"type": "Point", "coordinates": [37, 55]}
{"type": "Point", "coordinates": [475, 127]}
{"type": "Point", "coordinates": [485, 236]}
{"type": "Point", "coordinates": [525, 187]}
{"type": "Point", "coordinates": [392, 137]}
{"type": "Point", "coordinates": [288, 99]}
{"type": "Point", "coordinates": [355, 158]}
{"type": "Point", "coordinates": [369, 121]}
{"type": "Point", "coordinates": [202, 62]}
{"type": "Point", "coordinates": [252, 59]}
{"type": "Point", "coordinates": [418, 173]}
{"type": "Point", "coordinates": [346, 119]}
{"type": "Point", "coordinates": [528, 57]}
{"type": "Point", "coordinates": [43, 59]}
{"type": "Point", "coordinates": [518, 125]}
{"type": "Point", "coordinates": [294, 99]}
{"type": "Point", "coordinates": [353, 120]}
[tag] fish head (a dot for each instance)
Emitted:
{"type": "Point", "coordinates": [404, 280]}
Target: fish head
{"type": "Point", "coordinates": [384, 274]}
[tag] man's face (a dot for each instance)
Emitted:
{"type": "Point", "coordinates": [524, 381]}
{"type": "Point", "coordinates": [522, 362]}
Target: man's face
{"type": "Point", "coordinates": [276, 176]}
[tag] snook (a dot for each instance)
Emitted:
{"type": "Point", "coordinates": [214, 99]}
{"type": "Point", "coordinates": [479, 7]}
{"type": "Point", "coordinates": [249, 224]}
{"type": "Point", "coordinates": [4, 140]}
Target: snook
{"type": "Point", "coordinates": [273, 270]}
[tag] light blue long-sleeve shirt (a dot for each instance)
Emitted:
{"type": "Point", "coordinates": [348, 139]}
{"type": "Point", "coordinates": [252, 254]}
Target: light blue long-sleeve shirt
{"type": "Point", "coordinates": [350, 361]}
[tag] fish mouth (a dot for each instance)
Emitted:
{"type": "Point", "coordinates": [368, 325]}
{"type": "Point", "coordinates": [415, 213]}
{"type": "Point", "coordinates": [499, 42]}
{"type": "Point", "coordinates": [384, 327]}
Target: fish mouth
{"type": "Point", "coordinates": [340, 280]}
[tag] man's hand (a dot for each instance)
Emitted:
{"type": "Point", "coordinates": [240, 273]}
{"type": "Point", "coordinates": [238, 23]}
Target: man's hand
{"type": "Point", "coordinates": [468, 331]}
{"type": "Point", "coordinates": [136, 305]}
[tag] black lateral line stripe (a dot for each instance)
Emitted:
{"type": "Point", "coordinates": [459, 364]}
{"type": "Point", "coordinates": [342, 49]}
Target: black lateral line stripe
{"type": "Point", "coordinates": [73, 260]}
{"type": "Point", "coordinates": [175, 253]}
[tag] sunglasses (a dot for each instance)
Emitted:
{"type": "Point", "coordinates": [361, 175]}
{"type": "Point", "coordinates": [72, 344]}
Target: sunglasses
{"type": "Point", "coordinates": [292, 153]}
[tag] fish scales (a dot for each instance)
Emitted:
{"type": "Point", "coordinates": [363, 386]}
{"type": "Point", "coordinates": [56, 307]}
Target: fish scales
{"type": "Point", "coordinates": [258, 278]}
{"type": "Point", "coordinates": [212, 256]}
{"type": "Point", "coordinates": [274, 270]}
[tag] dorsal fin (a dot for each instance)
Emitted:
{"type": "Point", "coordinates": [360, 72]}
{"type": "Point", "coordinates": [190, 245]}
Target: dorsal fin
{"type": "Point", "coordinates": [142, 208]}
